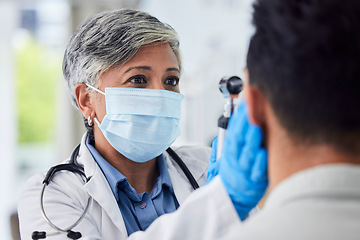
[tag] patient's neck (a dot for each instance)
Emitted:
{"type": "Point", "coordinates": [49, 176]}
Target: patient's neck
{"type": "Point", "coordinates": [287, 157]}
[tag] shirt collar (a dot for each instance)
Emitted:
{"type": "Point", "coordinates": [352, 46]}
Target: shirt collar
{"type": "Point", "coordinates": [325, 179]}
{"type": "Point", "coordinates": [114, 177]}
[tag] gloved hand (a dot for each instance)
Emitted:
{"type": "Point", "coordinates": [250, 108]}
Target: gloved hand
{"type": "Point", "coordinates": [243, 163]}
{"type": "Point", "coordinates": [213, 167]}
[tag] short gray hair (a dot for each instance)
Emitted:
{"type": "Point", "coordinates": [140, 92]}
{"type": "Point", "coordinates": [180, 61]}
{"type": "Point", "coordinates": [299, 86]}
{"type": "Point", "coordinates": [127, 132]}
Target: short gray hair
{"type": "Point", "coordinates": [110, 39]}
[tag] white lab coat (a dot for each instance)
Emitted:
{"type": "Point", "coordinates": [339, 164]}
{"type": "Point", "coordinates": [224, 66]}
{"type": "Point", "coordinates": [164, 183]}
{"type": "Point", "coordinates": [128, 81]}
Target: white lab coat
{"type": "Point", "coordinates": [318, 203]}
{"type": "Point", "coordinates": [66, 196]}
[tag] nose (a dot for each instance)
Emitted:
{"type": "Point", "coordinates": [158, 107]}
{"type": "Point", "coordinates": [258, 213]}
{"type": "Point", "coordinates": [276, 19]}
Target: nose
{"type": "Point", "coordinates": [157, 85]}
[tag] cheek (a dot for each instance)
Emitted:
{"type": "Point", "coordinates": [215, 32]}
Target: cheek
{"type": "Point", "coordinates": [100, 107]}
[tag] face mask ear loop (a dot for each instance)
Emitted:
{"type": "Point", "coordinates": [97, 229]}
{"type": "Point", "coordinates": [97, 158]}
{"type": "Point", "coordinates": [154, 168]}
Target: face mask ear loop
{"type": "Point", "coordinates": [93, 88]}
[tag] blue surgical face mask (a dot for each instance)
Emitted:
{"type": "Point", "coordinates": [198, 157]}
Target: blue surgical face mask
{"type": "Point", "coordinates": [140, 123]}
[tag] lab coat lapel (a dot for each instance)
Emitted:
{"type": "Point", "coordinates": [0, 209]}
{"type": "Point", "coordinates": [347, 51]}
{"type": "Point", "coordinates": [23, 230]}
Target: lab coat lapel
{"type": "Point", "coordinates": [180, 184]}
{"type": "Point", "coordinates": [99, 189]}
{"type": "Point", "coordinates": [196, 161]}
{"type": "Point", "coordinates": [105, 199]}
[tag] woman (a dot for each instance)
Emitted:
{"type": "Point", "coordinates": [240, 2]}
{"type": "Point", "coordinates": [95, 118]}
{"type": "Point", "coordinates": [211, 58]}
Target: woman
{"type": "Point", "coordinates": [122, 68]}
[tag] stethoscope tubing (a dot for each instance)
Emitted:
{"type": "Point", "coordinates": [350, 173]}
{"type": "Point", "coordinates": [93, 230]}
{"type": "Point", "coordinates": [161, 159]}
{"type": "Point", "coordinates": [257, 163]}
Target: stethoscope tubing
{"type": "Point", "coordinates": [73, 167]}
{"type": "Point", "coordinates": [51, 223]}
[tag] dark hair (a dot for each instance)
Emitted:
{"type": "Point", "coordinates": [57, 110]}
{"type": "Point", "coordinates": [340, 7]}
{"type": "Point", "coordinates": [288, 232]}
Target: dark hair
{"type": "Point", "coordinates": [305, 58]}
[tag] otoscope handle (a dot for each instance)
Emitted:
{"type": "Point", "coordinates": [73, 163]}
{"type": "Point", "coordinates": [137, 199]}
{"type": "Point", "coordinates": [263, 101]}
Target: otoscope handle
{"type": "Point", "coordinates": [222, 125]}
{"type": "Point", "coordinates": [220, 142]}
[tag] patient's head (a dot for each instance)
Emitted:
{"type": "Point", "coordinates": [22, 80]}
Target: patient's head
{"type": "Point", "coordinates": [305, 59]}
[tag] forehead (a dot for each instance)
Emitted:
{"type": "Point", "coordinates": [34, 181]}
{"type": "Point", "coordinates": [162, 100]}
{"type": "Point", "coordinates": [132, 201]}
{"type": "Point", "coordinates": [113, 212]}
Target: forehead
{"type": "Point", "coordinates": [154, 54]}
{"type": "Point", "coordinates": [157, 59]}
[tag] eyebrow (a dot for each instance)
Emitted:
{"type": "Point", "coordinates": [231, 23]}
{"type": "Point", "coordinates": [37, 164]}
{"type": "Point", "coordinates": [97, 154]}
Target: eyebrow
{"type": "Point", "coordinates": [147, 68]}
{"type": "Point", "coordinates": [173, 69]}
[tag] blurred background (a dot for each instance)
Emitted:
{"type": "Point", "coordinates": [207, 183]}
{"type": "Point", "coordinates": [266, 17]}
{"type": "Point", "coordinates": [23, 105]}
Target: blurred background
{"type": "Point", "coordinates": [38, 125]}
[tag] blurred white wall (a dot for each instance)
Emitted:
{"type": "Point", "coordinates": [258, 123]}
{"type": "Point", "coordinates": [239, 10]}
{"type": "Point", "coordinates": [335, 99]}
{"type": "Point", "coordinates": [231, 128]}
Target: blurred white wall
{"type": "Point", "coordinates": [8, 21]}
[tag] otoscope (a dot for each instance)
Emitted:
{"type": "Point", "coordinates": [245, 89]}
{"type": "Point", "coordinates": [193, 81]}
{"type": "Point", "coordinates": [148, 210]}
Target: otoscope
{"type": "Point", "coordinates": [230, 88]}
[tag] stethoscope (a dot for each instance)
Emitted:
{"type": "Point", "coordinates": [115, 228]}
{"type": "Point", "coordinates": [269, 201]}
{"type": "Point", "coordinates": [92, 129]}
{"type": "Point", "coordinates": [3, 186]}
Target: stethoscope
{"type": "Point", "coordinates": [73, 167]}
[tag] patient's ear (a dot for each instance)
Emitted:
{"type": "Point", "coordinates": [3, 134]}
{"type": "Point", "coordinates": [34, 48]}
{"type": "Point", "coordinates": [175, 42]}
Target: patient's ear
{"type": "Point", "coordinates": [255, 101]}
{"type": "Point", "coordinates": [83, 100]}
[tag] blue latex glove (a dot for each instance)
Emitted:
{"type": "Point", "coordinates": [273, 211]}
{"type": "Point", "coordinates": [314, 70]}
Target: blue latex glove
{"type": "Point", "coordinates": [213, 167]}
{"type": "Point", "coordinates": [243, 163]}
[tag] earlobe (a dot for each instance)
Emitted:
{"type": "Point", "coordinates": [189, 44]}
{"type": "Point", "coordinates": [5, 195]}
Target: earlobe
{"type": "Point", "coordinates": [252, 104]}
{"type": "Point", "coordinates": [83, 100]}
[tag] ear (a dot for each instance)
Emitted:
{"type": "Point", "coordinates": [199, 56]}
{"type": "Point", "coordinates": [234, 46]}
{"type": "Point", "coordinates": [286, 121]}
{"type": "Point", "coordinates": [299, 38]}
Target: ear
{"type": "Point", "coordinates": [255, 101]}
{"type": "Point", "coordinates": [84, 101]}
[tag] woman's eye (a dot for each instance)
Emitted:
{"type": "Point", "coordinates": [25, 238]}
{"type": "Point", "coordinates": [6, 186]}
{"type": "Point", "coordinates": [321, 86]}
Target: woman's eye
{"type": "Point", "coordinates": [138, 79]}
{"type": "Point", "coordinates": [172, 81]}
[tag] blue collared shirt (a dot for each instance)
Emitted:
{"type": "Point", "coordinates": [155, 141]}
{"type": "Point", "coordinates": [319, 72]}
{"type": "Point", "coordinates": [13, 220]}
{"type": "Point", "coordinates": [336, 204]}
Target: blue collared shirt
{"type": "Point", "coordinates": [139, 210]}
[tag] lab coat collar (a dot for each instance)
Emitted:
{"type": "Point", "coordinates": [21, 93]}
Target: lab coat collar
{"type": "Point", "coordinates": [98, 187]}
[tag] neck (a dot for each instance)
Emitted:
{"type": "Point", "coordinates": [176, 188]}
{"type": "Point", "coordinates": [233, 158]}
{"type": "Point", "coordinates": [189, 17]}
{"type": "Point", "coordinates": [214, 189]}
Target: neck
{"type": "Point", "coordinates": [287, 157]}
{"type": "Point", "coordinates": [141, 176]}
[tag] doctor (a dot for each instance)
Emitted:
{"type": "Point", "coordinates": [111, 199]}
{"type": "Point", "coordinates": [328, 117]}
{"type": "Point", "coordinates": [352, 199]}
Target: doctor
{"type": "Point", "coordinates": [123, 69]}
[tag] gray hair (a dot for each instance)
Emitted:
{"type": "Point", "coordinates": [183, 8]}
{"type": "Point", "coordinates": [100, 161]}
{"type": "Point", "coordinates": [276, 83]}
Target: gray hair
{"type": "Point", "coordinates": [110, 39]}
